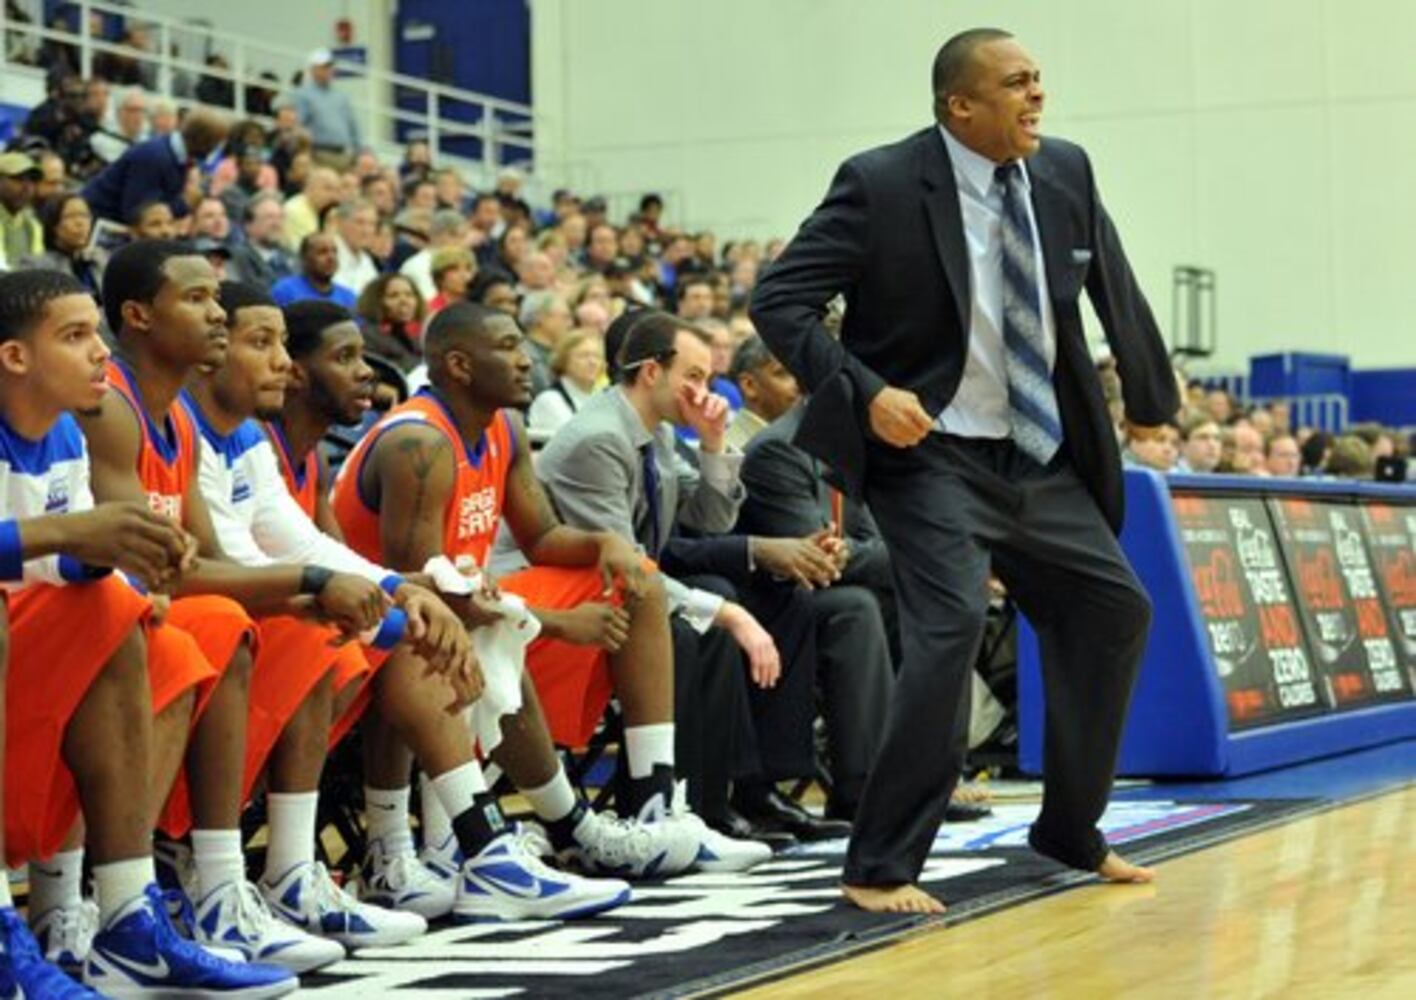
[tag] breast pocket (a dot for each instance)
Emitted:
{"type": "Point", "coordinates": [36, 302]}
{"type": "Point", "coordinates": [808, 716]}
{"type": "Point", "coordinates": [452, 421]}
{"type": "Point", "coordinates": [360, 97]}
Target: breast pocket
{"type": "Point", "coordinates": [1069, 275]}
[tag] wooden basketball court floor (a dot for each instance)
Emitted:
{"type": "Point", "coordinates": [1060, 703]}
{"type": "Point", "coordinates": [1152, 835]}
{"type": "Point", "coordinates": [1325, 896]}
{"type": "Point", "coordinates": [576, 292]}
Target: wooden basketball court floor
{"type": "Point", "coordinates": [1323, 906]}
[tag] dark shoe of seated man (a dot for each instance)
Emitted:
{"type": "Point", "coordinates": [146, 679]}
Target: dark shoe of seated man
{"type": "Point", "coordinates": [763, 805]}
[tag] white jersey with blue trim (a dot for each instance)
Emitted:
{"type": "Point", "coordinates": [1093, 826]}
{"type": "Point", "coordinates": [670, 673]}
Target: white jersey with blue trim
{"type": "Point", "coordinates": [48, 476]}
{"type": "Point", "coordinates": [256, 520]}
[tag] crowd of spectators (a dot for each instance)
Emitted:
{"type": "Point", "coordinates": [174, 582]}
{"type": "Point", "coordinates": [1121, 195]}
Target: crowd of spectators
{"type": "Point", "coordinates": [1215, 433]}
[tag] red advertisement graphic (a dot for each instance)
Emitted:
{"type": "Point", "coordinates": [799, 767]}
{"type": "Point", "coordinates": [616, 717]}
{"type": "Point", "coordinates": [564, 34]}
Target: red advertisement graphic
{"type": "Point", "coordinates": [1391, 539]}
{"type": "Point", "coordinates": [1349, 634]}
{"type": "Point", "coordinates": [1249, 615]}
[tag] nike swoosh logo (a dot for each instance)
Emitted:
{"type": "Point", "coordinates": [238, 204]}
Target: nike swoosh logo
{"type": "Point", "coordinates": [380, 805]}
{"type": "Point", "coordinates": [150, 970]}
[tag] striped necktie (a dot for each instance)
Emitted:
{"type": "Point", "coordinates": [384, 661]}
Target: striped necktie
{"type": "Point", "coordinates": [1032, 400]}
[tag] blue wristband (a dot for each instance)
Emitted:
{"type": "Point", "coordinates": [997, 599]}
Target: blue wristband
{"type": "Point", "coordinates": [391, 583]}
{"type": "Point", "coordinates": [73, 571]}
{"type": "Point", "coordinates": [12, 552]}
{"type": "Point", "coordinates": [390, 631]}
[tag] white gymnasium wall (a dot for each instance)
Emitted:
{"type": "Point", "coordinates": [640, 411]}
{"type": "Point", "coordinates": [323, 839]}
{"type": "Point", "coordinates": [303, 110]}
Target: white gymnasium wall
{"type": "Point", "coordinates": [1271, 140]}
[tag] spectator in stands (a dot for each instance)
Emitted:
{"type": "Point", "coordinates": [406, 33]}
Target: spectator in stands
{"type": "Point", "coordinates": [602, 248]}
{"type": "Point", "coordinates": [453, 271]}
{"type": "Point", "coordinates": [355, 225]}
{"type": "Point", "coordinates": [577, 365]}
{"type": "Point", "coordinates": [21, 235]}
{"type": "Point", "coordinates": [695, 298]}
{"type": "Point", "coordinates": [1200, 444]}
{"type": "Point", "coordinates": [163, 167]}
{"type": "Point", "coordinates": [67, 224]}
{"type": "Point", "coordinates": [378, 190]}
{"type": "Point", "coordinates": [536, 273]}
{"type": "Point", "coordinates": [210, 220]}
{"type": "Point", "coordinates": [1315, 446]}
{"type": "Point", "coordinates": [393, 312]}
{"type": "Point", "coordinates": [1220, 406]}
{"type": "Point", "coordinates": [1248, 449]}
{"type": "Point", "coordinates": [53, 176]}
{"type": "Point", "coordinates": [152, 220]}
{"type": "Point", "coordinates": [768, 390]}
{"type": "Point", "coordinates": [250, 167]}
{"type": "Point", "coordinates": [130, 127]}
{"type": "Point", "coordinates": [131, 68]}
{"type": "Point", "coordinates": [495, 291]}
{"type": "Point", "coordinates": [1282, 457]}
{"type": "Point", "coordinates": [485, 224]}
{"type": "Point", "coordinates": [512, 248]}
{"type": "Point", "coordinates": [422, 193]}
{"type": "Point", "coordinates": [262, 259]}
{"type": "Point", "coordinates": [216, 88]}
{"type": "Point", "coordinates": [59, 119]}
{"type": "Point", "coordinates": [449, 189]}
{"type": "Point", "coordinates": [1159, 451]}
{"type": "Point", "coordinates": [447, 229]}
{"type": "Point", "coordinates": [162, 118]}
{"type": "Point", "coordinates": [326, 113]}
{"type": "Point", "coordinates": [417, 160]}
{"type": "Point", "coordinates": [1381, 441]}
{"type": "Point", "coordinates": [651, 211]}
{"type": "Point", "coordinates": [572, 230]}
{"type": "Point", "coordinates": [305, 211]}
{"type": "Point", "coordinates": [721, 344]}
{"type": "Point", "coordinates": [1350, 458]}
{"type": "Point", "coordinates": [545, 318]}
{"type": "Point", "coordinates": [318, 262]}
{"type": "Point", "coordinates": [247, 137]}
{"type": "Point", "coordinates": [410, 234]}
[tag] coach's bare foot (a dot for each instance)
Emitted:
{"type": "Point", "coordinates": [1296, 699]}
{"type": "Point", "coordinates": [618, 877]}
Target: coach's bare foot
{"type": "Point", "coordinates": [892, 899]}
{"type": "Point", "coordinates": [1117, 869]}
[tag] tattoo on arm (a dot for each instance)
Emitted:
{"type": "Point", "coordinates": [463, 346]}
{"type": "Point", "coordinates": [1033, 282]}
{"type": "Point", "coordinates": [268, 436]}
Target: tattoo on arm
{"type": "Point", "coordinates": [419, 459]}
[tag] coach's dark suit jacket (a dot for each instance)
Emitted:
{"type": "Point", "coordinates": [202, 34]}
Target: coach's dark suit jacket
{"type": "Point", "coordinates": [890, 237]}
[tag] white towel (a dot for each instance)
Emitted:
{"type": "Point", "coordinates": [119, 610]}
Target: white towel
{"type": "Point", "coordinates": [500, 649]}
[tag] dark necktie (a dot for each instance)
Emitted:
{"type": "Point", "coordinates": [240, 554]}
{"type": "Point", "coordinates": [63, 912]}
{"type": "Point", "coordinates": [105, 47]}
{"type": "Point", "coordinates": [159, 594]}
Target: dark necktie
{"type": "Point", "coordinates": [1032, 401]}
{"type": "Point", "coordinates": [651, 496]}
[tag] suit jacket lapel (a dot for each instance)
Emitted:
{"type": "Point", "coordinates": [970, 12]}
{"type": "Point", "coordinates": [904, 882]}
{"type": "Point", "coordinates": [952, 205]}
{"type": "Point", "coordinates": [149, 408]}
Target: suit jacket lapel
{"type": "Point", "coordinates": [946, 223]}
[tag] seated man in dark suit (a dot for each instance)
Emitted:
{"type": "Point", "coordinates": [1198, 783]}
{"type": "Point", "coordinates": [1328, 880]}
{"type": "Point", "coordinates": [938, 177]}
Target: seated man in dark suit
{"type": "Point", "coordinates": [159, 168]}
{"type": "Point", "coordinates": [614, 467]}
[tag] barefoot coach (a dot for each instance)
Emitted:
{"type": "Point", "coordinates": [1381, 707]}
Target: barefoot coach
{"type": "Point", "coordinates": [981, 440]}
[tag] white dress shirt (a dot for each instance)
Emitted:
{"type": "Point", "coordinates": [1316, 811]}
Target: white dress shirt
{"type": "Point", "coordinates": [980, 407]}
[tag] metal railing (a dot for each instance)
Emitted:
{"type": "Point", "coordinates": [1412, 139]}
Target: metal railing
{"type": "Point", "coordinates": [394, 108]}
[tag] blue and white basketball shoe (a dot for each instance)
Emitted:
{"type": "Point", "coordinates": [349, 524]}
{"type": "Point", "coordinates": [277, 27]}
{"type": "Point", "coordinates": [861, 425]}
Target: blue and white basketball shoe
{"type": "Point", "coordinates": [307, 898]}
{"type": "Point", "coordinates": [138, 954]}
{"type": "Point", "coordinates": [507, 881]}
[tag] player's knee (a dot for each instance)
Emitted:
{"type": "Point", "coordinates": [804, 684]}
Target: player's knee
{"type": "Point", "coordinates": [127, 668]}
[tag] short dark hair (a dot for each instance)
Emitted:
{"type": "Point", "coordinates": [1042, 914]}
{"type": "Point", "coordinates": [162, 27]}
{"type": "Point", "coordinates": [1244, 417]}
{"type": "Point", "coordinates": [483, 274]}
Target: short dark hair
{"type": "Point", "coordinates": [616, 332]}
{"type": "Point", "coordinates": [25, 295]}
{"type": "Point", "coordinates": [751, 356]}
{"type": "Point", "coordinates": [453, 323]}
{"type": "Point", "coordinates": [484, 282]}
{"type": "Point", "coordinates": [134, 274]}
{"type": "Point", "coordinates": [237, 295]}
{"type": "Point", "coordinates": [953, 65]}
{"type": "Point", "coordinates": [306, 322]}
{"type": "Point", "coordinates": [136, 215]}
{"type": "Point", "coordinates": [688, 280]}
{"type": "Point", "coordinates": [651, 338]}
{"type": "Point", "coordinates": [650, 199]}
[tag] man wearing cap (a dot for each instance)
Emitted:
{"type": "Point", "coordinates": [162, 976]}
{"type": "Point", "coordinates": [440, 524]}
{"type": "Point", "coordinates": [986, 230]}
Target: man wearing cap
{"type": "Point", "coordinates": [327, 113]}
{"type": "Point", "coordinates": [20, 233]}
